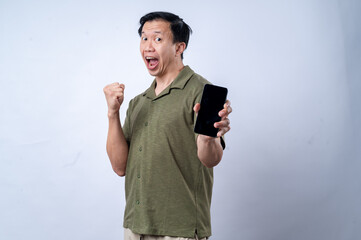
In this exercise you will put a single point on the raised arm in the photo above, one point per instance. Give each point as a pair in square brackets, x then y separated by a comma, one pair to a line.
[117, 147]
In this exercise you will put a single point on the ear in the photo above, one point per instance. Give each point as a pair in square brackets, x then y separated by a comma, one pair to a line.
[180, 47]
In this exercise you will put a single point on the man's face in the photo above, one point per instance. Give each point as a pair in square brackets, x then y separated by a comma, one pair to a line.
[157, 47]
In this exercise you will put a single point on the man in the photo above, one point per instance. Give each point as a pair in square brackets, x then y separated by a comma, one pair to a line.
[168, 168]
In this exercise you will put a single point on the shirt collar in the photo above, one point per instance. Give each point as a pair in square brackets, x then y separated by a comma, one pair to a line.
[179, 82]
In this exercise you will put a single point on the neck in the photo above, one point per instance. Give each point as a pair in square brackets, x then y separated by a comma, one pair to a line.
[165, 80]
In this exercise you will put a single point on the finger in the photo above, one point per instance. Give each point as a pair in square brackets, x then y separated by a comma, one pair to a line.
[116, 85]
[227, 106]
[112, 87]
[121, 86]
[117, 95]
[117, 90]
[114, 93]
[223, 131]
[197, 107]
[227, 109]
[222, 124]
[222, 113]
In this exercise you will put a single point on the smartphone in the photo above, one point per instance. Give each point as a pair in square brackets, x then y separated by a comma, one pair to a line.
[213, 99]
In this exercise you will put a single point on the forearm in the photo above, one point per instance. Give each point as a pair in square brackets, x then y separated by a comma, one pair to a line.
[117, 147]
[210, 150]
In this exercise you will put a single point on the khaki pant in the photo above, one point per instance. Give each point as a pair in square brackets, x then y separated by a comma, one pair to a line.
[129, 235]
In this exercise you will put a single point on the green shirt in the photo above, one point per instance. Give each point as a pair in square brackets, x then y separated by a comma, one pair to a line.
[168, 190]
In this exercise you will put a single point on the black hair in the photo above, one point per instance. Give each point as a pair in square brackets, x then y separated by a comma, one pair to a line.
[180, 30]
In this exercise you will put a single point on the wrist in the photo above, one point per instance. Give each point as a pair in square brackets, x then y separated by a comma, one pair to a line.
[207, 139]
[113, 114]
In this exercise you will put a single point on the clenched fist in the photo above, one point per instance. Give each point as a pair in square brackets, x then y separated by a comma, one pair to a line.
[114, 94]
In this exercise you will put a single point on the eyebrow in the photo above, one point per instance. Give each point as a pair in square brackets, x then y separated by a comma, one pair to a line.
[153, 32]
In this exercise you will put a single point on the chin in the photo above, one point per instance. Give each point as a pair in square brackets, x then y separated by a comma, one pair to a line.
[153, 74]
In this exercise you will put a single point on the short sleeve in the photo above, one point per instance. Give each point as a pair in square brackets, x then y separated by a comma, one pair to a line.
[197, 100]
[126, 126]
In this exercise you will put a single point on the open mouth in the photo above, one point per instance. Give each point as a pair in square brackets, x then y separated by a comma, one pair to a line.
[152, 62]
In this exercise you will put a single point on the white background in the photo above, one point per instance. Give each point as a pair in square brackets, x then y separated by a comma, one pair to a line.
[291, 170]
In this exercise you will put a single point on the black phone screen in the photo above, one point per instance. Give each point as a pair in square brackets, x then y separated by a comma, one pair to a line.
[213, 99]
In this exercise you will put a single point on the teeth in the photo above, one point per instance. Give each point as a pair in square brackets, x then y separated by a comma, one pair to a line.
[149, 58]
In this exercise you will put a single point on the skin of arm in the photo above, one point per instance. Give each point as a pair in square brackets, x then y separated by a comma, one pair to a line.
[210, 150]
[117, 146]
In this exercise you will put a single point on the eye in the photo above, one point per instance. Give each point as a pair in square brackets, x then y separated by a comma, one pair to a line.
[144, 38]
[158, 39]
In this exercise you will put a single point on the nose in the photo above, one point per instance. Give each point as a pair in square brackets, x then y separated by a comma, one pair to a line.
[149, 46]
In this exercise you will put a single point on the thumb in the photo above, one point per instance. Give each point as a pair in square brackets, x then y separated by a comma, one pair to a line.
[197, 107]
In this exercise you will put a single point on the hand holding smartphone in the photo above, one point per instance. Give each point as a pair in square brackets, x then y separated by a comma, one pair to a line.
[213, 99]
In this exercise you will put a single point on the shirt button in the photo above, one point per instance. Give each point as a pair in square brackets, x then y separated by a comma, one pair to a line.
[146, 123]
[138, 176]
[137, 202]
[140, 149]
